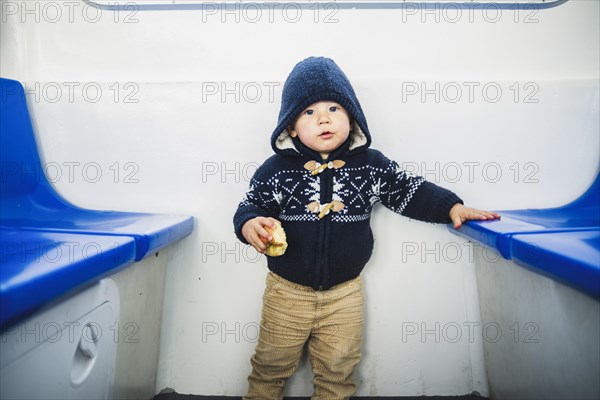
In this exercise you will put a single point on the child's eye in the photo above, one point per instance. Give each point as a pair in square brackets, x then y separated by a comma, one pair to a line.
[333, 108]
[309, 112]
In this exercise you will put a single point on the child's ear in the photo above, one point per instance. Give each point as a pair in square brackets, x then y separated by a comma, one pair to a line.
[292, 132]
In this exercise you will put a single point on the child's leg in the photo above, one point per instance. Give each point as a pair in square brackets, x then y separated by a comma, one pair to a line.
[334, 345]
[287, 316]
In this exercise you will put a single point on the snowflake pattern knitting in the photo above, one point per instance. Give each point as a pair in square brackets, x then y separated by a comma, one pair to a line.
[358, 188]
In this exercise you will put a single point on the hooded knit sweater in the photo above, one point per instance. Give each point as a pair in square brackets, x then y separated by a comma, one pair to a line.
[325, 205]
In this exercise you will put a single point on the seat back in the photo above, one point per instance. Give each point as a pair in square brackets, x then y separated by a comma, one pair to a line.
[24, 185]
[21, 168]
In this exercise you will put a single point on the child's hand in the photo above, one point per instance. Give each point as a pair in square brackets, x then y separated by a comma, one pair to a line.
[460, 214]
[254, 229]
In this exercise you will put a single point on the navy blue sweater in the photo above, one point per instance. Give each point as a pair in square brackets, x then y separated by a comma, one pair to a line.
[323, 252]
[325, 205]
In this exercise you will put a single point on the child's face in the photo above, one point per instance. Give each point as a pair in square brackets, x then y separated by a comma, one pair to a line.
[322, 127]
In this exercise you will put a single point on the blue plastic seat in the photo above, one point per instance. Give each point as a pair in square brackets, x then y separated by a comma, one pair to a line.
[38, 266]
[572, 257]
[561, 242]
[31, 210]
[29, 201]
[581, 214]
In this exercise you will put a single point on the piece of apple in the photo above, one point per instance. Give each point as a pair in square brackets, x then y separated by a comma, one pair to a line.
[278, 245]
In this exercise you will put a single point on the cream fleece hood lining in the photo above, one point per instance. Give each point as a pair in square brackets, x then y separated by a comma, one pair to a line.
[357, 139]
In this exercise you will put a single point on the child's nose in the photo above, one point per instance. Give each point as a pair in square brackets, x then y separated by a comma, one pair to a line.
[324, 118]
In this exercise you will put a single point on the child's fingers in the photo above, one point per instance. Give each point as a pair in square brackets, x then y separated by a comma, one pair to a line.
[262, 236]
[261, 231]
[270, 222]
[273, 222]
[457, 220]
[463, 214]
[257, 235]
[259, 247]
[482, 215]
[252, 233]
[487, 214]
[477, 214]
[258, 244]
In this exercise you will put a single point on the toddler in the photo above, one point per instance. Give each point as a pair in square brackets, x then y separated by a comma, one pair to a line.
[321, 185]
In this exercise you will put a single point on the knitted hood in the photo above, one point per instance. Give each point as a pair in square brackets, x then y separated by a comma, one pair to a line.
[316, 79]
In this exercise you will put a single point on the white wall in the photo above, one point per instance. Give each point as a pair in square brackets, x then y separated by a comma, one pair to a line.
[181, 149]
[551, 350]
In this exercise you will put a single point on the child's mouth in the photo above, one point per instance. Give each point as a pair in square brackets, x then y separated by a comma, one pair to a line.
[326, 135]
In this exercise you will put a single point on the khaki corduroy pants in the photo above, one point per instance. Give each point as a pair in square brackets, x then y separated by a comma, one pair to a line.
[330, 321]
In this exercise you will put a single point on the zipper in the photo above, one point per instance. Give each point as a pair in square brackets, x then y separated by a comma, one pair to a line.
[326, 197]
